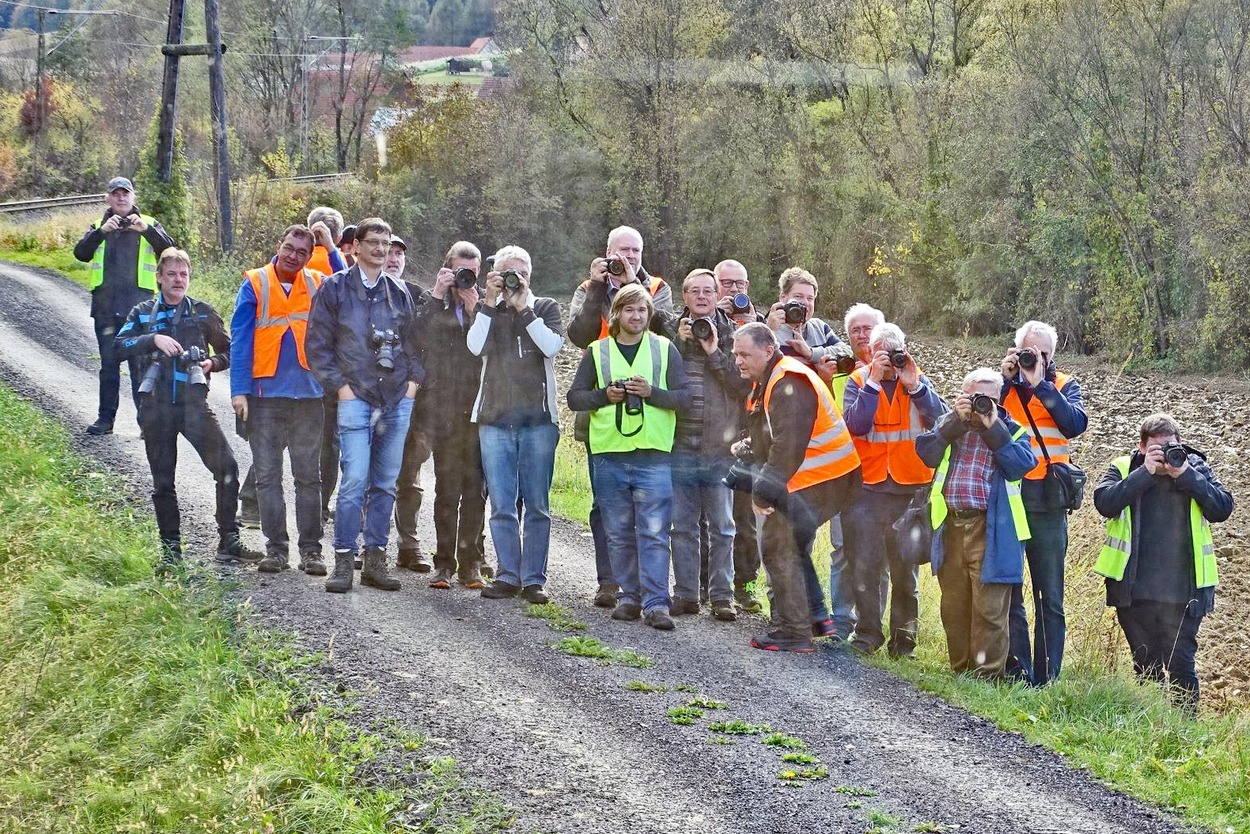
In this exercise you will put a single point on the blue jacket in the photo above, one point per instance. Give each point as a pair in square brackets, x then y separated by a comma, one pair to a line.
[1004, 552]
[290, 380]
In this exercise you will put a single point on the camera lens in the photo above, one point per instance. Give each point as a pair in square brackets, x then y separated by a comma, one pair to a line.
[616, 266]
[846, 364]
[1175, 455]
[1027, 359]
[512, 280]
[982, 404]
[701, 329]
[796, 312]
[741, 303]
[464, 278]
[898, 358]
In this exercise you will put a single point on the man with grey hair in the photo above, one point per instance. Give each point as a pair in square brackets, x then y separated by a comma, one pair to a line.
[888, 403]
[1047, 402]
[979, 454]
[620, 266]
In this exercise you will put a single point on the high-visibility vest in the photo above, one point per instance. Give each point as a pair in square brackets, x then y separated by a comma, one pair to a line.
[830, 451]
[937, 501]
[1113, 557]
[837, 386]
[277, 312]
[656, 285]
[654, 427]
[1056, 444]
[145, 270]
[889, 448]
[319, 261]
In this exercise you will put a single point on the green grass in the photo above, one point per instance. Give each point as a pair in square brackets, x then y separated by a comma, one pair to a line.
[784, 740]
[558, 618]
[685, 715]
[570, 484]
[594, 648]
[643, 686]
[128, 703]
[737, 727]
[799, 758]
[704, 702]
[60, 260]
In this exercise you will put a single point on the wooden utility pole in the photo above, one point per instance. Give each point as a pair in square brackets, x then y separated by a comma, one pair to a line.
[41, 118]
[169, 94]
[217, 88]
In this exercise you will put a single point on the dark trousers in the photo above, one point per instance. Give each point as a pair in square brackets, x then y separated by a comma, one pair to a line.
[746, 543]
[875, 565]
[459, 495]
[106, 328]
[275, 424]
[408, 492]
[1045, 553]
[603, 564]
[329, 449]
[1163, 636]
[161, 424]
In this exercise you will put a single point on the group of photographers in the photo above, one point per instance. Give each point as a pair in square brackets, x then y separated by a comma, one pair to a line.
[719, 438]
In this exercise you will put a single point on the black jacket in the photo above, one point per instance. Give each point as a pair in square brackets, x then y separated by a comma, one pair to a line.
[192, 324]
[120, 291]
[517, 349]
[451, 370]
[715, 384]
[339, 345]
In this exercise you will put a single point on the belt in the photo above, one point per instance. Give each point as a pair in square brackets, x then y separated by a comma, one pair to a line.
[967, 513]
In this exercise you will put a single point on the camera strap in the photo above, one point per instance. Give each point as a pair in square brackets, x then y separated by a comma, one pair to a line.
[620, 418]
[1037, 433]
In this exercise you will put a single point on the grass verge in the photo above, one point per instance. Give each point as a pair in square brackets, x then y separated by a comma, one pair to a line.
[129, 704]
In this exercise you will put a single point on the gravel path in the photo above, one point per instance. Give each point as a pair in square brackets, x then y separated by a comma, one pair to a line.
[559, 739]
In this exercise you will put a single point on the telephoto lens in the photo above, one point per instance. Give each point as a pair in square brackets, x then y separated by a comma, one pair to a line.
[741, 303]
[898, 358]
[983, 404]
[701, 329]
[1027, 359]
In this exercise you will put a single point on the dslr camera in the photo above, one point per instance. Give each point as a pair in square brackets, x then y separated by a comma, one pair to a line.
[702, 329]
[123, 221]
[741, 474]
[1175, 455]
[1027, 358]
[741, 303]
[633, 402]
[898, 358]
[464, 278]
[511, 280]
[796, 312]
[616, 265]
[189, 361]
[983, 404]
[384, 342]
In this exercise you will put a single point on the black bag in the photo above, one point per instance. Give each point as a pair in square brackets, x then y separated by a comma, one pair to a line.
[914, 529]
[1064, 484]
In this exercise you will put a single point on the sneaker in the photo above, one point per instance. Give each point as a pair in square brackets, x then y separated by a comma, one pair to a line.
[311, 564]
[779, 642]
[627, 611]
[749, 604]
[100, 427]
[535, 595]
[723, 610]
[500, 590]
[659, 619]
[606, 596]
[681, 606]
[471, 579]
[825, 628]
[273, 563]
[231, 549]
[441, 579]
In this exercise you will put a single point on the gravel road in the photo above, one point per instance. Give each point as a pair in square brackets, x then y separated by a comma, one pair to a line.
[559, 739]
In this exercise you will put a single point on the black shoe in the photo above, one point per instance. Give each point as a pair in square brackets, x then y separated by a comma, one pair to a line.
[659, 619]
[500, 590]
[100, 426]
[681, 606]
[749, 604]
[627, 611]
[778, 642]
[826, 628]
[723, 610]
[535, 595]
[606, 596]
[311, 564]
[231, 549]
[273, 563]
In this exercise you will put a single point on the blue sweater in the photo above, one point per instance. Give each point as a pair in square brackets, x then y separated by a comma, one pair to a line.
[290, 380]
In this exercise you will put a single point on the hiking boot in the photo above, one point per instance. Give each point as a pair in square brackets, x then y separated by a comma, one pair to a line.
[606, 596]
[749, 604]
[777, 641]
[441, 579]
[627, 611]
[659, 619]
[341, 581]
[99, 427]
[273, 563]
[681, 606]
[471, 578]
[374, 573]
[500, 590]
[311, 564]
[411, 558]
[230, 548]
[723, 610]
[171, 557]
[535, 595]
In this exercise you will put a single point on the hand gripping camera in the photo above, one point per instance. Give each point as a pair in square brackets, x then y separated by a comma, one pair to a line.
[616, 266]
[188, 362]
[1175, 455]
[796, 312]
[633, 402]
[741, 474]
[702, 329]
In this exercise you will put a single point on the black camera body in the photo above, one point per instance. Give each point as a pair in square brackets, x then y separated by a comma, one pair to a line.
[124, 221]
[741, 474]
[189, 361]
[616, 266]
[1175, 455]
[464, 278]
[702, 329]
[898, 358]
[384, 342]
[1027, 359]
[796, 312]
[511, 280]
[845, 365]
[741, 303]
[633, 402]
[983, 404]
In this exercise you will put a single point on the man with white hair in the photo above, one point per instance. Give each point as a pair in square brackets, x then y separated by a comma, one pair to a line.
[1048, 403]
[979, 523]
[888, 403]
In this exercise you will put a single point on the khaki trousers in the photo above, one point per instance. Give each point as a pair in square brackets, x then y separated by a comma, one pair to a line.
[974, 614]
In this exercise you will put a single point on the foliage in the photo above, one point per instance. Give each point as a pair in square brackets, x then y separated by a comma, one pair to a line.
[169, 202]
[606, 655]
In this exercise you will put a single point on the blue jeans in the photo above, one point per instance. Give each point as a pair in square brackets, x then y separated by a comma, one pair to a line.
[637, 499]
[371, 448]
[1045, 553]
[520, 460]
[698, 492]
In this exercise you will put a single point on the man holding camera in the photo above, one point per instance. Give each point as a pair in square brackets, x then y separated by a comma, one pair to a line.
[450, 388]
[122, 251]
[362, 343]
[620, 266]
[807, 471]
[704, 338]
[1159, 558]
[169, 336]
[633, 383]
[277, 397]
[979, 454]
[1048, 402]
[889, 402]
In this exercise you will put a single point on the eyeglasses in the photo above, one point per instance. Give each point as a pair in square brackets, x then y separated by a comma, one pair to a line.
[734, 285]
[375, 242]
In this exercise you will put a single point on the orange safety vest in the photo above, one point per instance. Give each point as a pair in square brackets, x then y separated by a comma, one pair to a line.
[320, 260]
[1056, 444]
[890, 447]
[830, 451]
[276, 312]
[656, 284]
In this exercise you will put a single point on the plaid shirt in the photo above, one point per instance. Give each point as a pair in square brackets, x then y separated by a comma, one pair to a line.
[968, 482]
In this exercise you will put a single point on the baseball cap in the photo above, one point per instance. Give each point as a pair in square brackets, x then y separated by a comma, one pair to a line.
[396, 240]
[120, 182]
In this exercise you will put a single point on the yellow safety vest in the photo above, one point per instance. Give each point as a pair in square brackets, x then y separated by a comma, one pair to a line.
[145, 271]
[654, 427]
[937, 501]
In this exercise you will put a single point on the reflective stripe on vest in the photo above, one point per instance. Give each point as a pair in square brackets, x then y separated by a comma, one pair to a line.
[1113, 558]
[145, 269]
[1057, 445]
[656, 285]
[889, 449]
[276, 312]
[654, 427]
[937, 501]
[830, 451]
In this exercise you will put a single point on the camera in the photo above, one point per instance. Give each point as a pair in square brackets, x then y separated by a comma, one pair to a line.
[796, 312]
[1175, 455]
[741, 303]
[511, 279]
[464, 278]
[741, 474]
[702, 329]
[189, 361]
[148, 384]
[384, 342]
[123, 221]
[898, 358]
[983, 404]
[1027, 359]
[633, 402]
[616, 266]
[845, 364]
